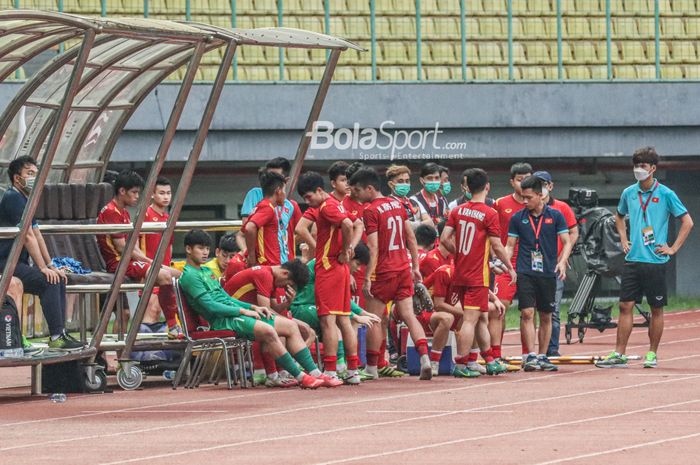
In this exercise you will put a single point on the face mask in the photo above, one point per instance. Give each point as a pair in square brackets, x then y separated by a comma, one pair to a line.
[640, 174]
[545, 192]
[468, 195]
[28, 183]
[432, 186]
[402, 190]
[446, 188]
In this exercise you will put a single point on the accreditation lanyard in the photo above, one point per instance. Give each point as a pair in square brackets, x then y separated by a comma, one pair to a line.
[644, 205]
[537, 229]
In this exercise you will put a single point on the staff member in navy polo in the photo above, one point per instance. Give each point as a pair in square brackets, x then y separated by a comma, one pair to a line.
[649, 205]
[535, 229]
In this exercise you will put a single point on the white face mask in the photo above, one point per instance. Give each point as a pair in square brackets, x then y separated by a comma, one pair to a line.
[640, 174]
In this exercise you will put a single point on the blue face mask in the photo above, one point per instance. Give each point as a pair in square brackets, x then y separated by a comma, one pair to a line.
[402, 190]
[432, 186]
[446, 188]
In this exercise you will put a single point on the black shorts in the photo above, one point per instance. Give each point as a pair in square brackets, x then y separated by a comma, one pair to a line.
[538, 292]
[644, 279]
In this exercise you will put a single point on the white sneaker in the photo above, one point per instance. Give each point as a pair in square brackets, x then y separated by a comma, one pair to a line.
[352, 378]
[435, 367]
[476, 366]
[426, 371]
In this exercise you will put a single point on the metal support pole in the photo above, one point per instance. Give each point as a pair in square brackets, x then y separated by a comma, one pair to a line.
[419, 54]
[327, 22]
[72, 88]
[608, 38]
[180, 195]
[159, 160]
[280, 23]
[145, 8]
[103, 8]
[188, 10]
[313, 117]
[657, 39]
[373, 37]
[234, 17]
[510, 40]
[463, 34]
[560, 58]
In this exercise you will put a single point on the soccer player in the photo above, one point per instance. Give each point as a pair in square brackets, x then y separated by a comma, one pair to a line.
[572, 223]
[399, 180]
[649, 205]
[426, 236]
[228, 259]
[506, 207]
[472, 230]
[390, 274]
[431, 202]
[206, 296]
[535, 229]
[127, 189]
[334, 251]
[435, 258]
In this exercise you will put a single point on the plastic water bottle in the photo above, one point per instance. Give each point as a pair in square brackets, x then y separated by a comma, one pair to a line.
[57, 398]
[12, 353]
[169, 375]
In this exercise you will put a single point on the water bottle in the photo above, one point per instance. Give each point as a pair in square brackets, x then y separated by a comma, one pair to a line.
[169, 375]
[57, 398]
[17, 352]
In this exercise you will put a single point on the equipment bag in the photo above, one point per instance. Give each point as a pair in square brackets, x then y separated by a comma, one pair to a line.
[11, 339]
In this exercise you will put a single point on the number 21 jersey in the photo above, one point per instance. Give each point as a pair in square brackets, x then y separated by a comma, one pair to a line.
[387, 217]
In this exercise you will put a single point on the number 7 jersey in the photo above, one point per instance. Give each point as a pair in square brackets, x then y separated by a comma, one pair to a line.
[386, 217]
[473, 223]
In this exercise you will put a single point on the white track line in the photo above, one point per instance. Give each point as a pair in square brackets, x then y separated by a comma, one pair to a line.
[165, 411]
[428, 446]
[676, 411]
[621, 449]
[437, 411]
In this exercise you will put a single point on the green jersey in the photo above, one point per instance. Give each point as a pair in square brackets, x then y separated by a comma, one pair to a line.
[206, 296]
[306, 296]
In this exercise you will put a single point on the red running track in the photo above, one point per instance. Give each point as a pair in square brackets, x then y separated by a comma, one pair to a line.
[581, 415]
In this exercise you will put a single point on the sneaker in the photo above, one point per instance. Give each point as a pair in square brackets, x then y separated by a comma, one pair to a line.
[494, 368]
[435, 368]
[650, 360]
[364, 376]
[259, 379]
[330, 381]
[614, 360]
[545, 364]
[509, 366]
[65, 343]
[352, 378]
[465, 373]
[175, 332]
[389, 371]
[476, 366]
[426, 371]
[282, 382]
[553, 354]
[309, 382]
[30, 349]
[531, 364]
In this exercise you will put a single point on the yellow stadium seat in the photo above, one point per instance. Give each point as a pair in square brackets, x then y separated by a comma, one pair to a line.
[531, 73]
[303, 7]
[646, 28]
[265, 21]
[598, 27]
[567, 54]
[585, 52]
[256, 73]
[671, 72]
[599, 72]
[551, 73]
[444, 27]
[357, 28]
[672, 28]
[616, 7]
[440, 52]
[638, 6]
[568, 6]
[603, 52]
[624, 72]
[540, 7]
[296, 56]
[456, 73]
[221, 7]
[244, 6]
[402, 27]
[534, 28]
[437, 73]
[692, 72]
[577, 28]
[519, 54]
[344, 73]
[404, 7]
[213, 57]
[384, 7]
[519, 7]
[318, 56]
[538, 53]
[473, 7]
[412, 53]
[363, 73]
[308, 23]
[393, 53]
[683, 52]
[632, 52]
[209, 72]
[157, 7]
[252, 54]
[692, 28]
[490, 7]
[357, 6]
[625, 28]
[389, 73]
[490, 53]
[448, 7]
[244, 22]
[485, 73]
[590, 6]
[491, 28]
[664, 50]
[578, 73]
[265, 6]
[645, 71]
[297, 73]
[383, 27]
[665, 5]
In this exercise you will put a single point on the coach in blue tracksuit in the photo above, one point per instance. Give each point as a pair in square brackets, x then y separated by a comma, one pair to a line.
[649, 205]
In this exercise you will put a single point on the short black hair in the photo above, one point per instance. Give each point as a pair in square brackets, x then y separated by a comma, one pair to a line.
[532, 182]
[361, 253]
[338, 168]
[163, 181]
[279, 163]
[426, 235]
[645, 155]
[429, 168]
[17, 165]
[520, 168]
[197, 237]
[365, 177]
[476, 179]
[309, 182]
[298, 272]
[270, 181]
[444, 169]
[127, 180]
[353, 168]
[228, 243]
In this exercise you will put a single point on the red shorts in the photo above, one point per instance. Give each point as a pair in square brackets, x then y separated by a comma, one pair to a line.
[424, 320]
[475, 298]
[332, 289]
[359, 296]
[396, 287]
[503, 289]
[137, 270]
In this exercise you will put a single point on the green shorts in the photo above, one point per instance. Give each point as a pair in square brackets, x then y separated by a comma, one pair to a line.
[242, 325]
[307, 314]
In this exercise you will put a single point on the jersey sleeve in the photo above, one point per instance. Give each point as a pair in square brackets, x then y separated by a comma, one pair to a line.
[569, 216]
[332, 213]
[252, 198]
[560, 223]
[296, 216]
[491, 223]
[110, 216]
[262, 215]
[513, 227]
[263, 282]
[311, 214]
[675, 206]
[371, 220]
[452, 219]
[622, 206]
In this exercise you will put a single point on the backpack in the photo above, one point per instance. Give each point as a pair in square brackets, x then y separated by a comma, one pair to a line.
[11, 335]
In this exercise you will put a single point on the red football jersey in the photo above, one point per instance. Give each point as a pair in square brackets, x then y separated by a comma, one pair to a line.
[149, 242]
[569, 217]
[247, 284]
[267, 246]
[506, 207]
[311, 214]
[386, 217]
[329, 239]
[431, 261]
[111, 214]
[355, 211]
[474, 223]
[235, 266]
[439, 284]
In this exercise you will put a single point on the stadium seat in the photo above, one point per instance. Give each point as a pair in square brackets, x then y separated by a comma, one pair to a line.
[251, 54]
[402, 7]
[638, 6]
[402, 27]
[646, 28]
[344, 73]
[567, 54]
[383, 28]
[393, 53]
[243, 6]
[303, 7]
[357, 27]
[538, 53]
[541, 7]
[223, 7]
[440, 53]
[318, 56]
[265, 6]
[590, 6]
[672, 28]
[494, 7]
[390, 73]
[624, 72]
[632, 52]
[519, 56]
[692, 72]
[577, 28]
[297, 73]
[252, 73]
[603, 52]
[585, 52]
[490, 53]
[357, 7]
[437, 73]
[308, 23]
[450, 7]
[534, 28]
[363, 73]
[531, 73]
[625, 28]
[646, 72]
[671, 72]
[598, 27]
[485, 73]
[296, 56]
[683, 52]
[492, 28]
[599, 72]
[578, 73]
[244, 22]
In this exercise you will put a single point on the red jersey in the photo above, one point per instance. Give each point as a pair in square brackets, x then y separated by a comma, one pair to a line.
[267, 246]
[355, 211]
[386, 217]
[247, 284]
[329, 239]
[567, 212]
[149, 242]
[474, 223]
[111, 214]
[506, 207]
[235, 266]
[439, 284]
[431, 261]
[311, 214]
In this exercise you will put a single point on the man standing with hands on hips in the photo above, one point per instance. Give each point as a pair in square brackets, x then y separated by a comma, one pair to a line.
[649, 205]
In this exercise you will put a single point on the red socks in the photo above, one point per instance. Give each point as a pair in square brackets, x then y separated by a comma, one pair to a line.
[381, 363]
[435, 355]
[488, 356]
[462, 359]
[496, 351]
[473, 356]
[257, 357]
[353, 362]
[330, 362]
[166, 299]
[372, 358]
[422, 346]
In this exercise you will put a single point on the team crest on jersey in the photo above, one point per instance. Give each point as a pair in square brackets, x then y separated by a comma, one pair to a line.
[655, 200]
[508, 210]
[525, 221]
[548, 221]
